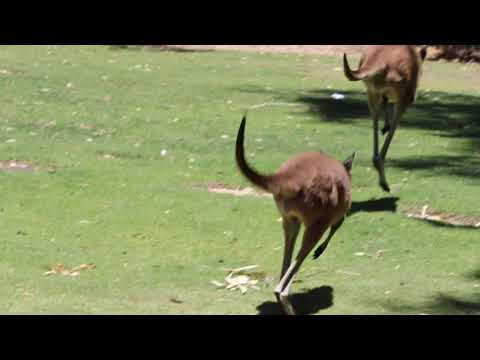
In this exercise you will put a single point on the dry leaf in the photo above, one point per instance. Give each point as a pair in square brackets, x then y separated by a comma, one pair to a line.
[379, 253]
[240, 282]
[249, 267]
[242, 279]
[424, 211]
[84, 266]
[60, 269]
[217, 283]
[348, 273]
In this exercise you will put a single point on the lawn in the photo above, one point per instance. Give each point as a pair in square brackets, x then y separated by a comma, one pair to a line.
[125, 143]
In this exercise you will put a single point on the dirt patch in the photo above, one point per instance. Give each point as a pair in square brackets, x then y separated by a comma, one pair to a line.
[22, 166]
[239, 192]
[463, 53]
[10, 71]
[430, 215]
[18, 166]
[443, 218]
[219, 188]
[299, 49]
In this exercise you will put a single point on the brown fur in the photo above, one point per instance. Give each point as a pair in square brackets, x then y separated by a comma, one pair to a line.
[391, 74]
[312, 186]
[310, 189]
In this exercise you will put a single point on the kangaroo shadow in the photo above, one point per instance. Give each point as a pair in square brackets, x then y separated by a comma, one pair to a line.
[450, 115]
[440, 303]
[374, 205]
[306, 303]
[454, 305]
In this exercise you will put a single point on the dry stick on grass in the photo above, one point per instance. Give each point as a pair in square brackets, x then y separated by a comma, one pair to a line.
[444, 218]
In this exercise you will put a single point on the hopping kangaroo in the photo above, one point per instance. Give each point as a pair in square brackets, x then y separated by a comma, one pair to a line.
[310, 188]
[391, 74]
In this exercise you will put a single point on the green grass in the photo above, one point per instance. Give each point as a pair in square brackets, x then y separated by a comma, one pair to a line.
[158, 240]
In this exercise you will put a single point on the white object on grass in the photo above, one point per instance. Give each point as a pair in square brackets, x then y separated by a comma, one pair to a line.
[337, 96]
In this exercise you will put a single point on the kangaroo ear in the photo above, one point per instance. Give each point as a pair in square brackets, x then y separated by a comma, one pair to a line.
[423, 53]
[349, 162]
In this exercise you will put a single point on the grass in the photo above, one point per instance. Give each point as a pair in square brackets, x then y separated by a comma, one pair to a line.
[101, 118]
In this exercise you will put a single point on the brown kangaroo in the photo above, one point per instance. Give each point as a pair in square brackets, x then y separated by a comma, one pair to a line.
[310, 188]
[391, 74]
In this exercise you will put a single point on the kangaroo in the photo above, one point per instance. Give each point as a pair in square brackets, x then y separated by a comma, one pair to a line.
[391, 74]
[312, 189]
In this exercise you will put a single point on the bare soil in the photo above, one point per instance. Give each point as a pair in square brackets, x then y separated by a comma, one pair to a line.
[238, 191]
[444, 52]
[14, 165]
[23, 166]
[302, 49]
[425, 214]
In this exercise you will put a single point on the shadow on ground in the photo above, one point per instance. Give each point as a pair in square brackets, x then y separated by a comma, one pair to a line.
[375, 205]
[441, 113]
[458, 165]
[445, 304]
[306, 303]
[441, 304]
[474, 275]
